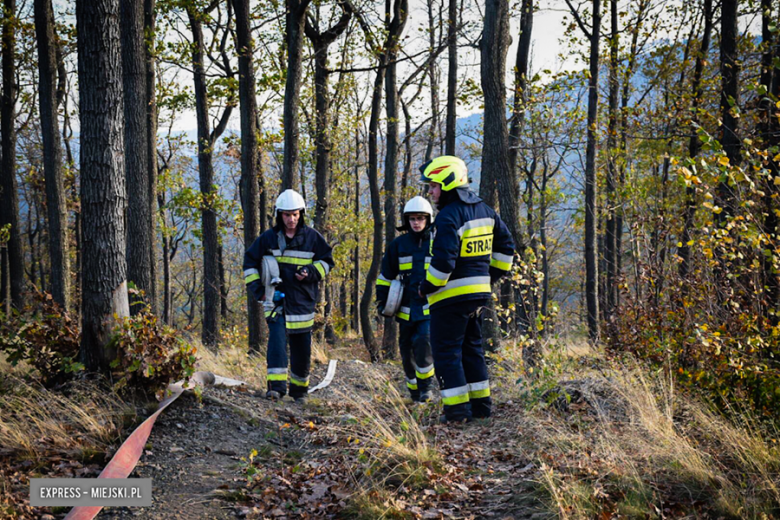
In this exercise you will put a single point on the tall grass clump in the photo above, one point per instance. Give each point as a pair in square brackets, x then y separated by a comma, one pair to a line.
[657, 446]
[388, 435]
[36, 422]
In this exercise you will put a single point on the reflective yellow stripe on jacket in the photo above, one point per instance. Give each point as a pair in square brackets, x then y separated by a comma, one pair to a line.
[436, 277]
[250, 275]
[301, 321]
[322, 267]
[294, 257]
[470, 285]
[501, 261]
[405, 263]
[383, 281]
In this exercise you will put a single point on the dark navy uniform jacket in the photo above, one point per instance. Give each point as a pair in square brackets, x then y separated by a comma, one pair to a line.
[471, 247]
[406, 257]
[307, 248]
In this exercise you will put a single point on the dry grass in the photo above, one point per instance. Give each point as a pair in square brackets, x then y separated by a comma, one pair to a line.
[668, 450]
[235, 362]
[393, 449]
[376, 504]
[7, 369]
[319, 353]
[35, 422]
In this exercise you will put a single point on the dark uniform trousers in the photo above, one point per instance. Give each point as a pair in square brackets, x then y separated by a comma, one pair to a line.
[456, 333]
[415, 344]
[300, 358]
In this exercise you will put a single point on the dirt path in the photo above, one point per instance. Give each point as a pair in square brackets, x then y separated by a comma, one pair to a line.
[197, 458]
[194, 452]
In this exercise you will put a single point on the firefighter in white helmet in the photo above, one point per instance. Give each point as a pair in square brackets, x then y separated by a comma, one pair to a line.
[304, 260]
[407, 257]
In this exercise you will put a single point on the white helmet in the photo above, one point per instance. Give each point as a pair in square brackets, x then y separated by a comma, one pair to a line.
[418, 205]
[290, 200]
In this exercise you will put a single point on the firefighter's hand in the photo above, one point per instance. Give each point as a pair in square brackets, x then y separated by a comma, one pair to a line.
[301, 274]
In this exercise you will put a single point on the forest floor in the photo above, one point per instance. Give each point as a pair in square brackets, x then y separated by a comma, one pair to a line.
[589, 439]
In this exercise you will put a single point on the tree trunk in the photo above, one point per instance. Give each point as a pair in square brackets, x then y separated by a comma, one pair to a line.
[321, 41]
[694, 144]
[343, 307]
[250, 187]
[103, 196]
[632, 61]
[223, 288]
[136, 140]
[151, 146]
[9, 205]
[770, 134]
[452, 77]
[167, 300]
[32, 274]
[591, 210]
[296, 16]
[495, 150]
[729, 101]
[67, 135]
[376, 213]
[521, 81]
[395, 30]
[433, 84]
[5, 281]
[543, 241]
[356, 251]
[57, 220]
[262, 187]
[211, 289]
[610, 246]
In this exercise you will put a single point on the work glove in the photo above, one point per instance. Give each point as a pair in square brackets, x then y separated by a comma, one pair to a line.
[278, 296]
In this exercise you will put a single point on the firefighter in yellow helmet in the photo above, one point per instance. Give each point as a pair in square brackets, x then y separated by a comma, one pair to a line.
[471, 248]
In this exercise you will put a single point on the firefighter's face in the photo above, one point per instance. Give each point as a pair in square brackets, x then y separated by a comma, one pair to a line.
[290, 219]
[434, 190]
[417, 221]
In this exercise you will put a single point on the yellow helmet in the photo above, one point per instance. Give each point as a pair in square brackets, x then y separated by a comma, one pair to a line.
[449, 171]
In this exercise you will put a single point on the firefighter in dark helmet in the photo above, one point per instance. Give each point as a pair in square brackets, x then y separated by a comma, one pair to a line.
[407, 257]
[302, 259]
[472, 248]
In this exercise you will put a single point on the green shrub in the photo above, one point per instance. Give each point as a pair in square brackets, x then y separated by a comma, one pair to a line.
[43, 335]
[150, 355]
